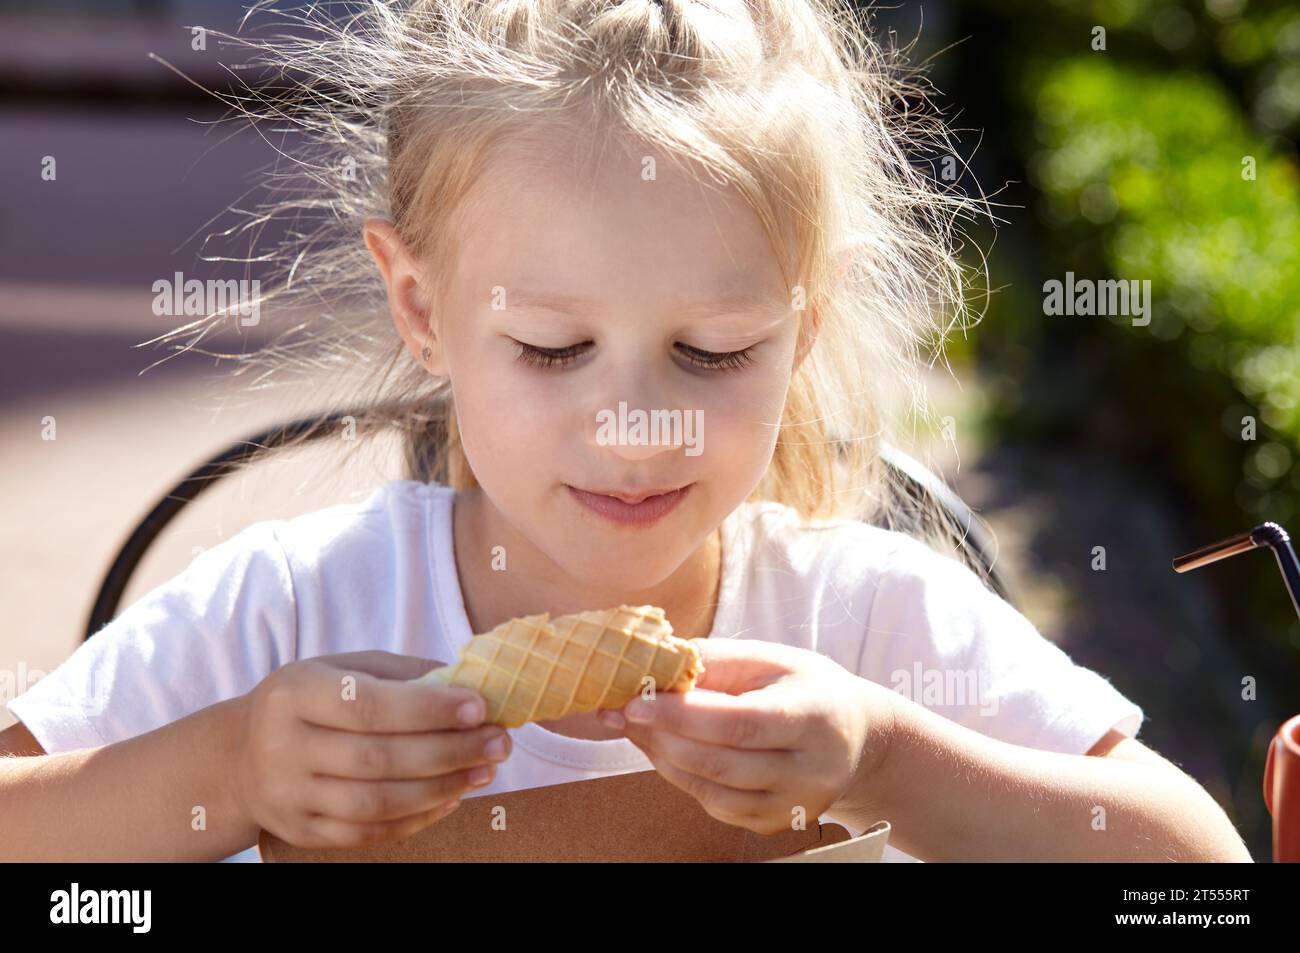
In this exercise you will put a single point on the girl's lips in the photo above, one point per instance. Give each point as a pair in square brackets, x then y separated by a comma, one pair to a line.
[646, 513]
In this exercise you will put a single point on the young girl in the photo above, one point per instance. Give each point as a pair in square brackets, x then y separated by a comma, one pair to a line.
[699, 210]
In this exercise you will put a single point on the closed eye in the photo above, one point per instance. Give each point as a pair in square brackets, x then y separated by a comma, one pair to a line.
[548, 356]
[719, 360]
[559, 356]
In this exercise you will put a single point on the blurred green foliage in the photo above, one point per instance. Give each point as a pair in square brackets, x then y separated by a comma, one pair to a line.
[1178, 189]
[1165, 154]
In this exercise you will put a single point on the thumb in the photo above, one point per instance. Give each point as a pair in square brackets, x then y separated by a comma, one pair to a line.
[382, 664]
[736, 666]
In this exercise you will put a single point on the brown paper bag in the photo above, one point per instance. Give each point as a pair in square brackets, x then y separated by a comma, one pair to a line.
[621, 818]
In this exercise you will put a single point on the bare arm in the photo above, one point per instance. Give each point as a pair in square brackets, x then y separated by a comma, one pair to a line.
[953, 794]
[134, 800]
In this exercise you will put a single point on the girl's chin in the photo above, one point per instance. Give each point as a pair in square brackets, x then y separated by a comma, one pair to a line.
[629, 579]
[615, 567]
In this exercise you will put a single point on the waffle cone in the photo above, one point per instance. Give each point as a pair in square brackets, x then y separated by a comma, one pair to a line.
[534, 668]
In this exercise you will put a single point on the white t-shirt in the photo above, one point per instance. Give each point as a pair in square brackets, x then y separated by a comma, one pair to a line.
[381, 574]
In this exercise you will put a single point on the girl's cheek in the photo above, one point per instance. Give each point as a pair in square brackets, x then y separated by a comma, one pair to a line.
[516, 413]
[741, 416]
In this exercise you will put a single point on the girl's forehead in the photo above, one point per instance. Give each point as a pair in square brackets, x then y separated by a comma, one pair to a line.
[617, 212]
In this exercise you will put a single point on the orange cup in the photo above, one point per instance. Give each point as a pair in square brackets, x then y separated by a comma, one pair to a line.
[1282, 791]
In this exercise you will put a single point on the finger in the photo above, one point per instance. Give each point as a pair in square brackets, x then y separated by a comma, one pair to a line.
[331, 832]
[743, 769]
[755, 720]
[736, 666]
[347, 799]
[354, 700]
[382, 664]
[730, 805]
[350, 754]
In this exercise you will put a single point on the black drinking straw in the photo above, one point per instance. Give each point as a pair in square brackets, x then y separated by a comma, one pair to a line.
[1269, 534]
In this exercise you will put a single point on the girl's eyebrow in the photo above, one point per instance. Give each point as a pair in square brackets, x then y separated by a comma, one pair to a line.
[731, 303]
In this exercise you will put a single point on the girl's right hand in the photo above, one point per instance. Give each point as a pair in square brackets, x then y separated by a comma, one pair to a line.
[344, 750]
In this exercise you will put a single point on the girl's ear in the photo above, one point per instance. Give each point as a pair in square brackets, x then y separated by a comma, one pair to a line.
[407, 301]
[808, 328]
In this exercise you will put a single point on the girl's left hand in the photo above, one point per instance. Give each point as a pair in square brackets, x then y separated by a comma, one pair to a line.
[770, 736]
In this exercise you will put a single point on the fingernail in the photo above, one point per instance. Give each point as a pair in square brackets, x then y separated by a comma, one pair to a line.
[470, 713]
[480, 775]
[641, 712]
[612, 719]
[495, 749]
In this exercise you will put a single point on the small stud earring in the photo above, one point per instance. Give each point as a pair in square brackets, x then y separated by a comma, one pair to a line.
[426, 354]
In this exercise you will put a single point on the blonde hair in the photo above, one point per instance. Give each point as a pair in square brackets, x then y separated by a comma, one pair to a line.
[791, 102]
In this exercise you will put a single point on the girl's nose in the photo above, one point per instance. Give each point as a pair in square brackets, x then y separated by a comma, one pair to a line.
[637, 432]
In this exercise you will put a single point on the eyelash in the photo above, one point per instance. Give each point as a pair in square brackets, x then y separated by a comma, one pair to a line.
[708, 360]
